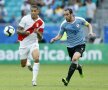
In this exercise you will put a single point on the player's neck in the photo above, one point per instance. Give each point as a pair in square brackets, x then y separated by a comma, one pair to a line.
[35, 18]
[72, 19]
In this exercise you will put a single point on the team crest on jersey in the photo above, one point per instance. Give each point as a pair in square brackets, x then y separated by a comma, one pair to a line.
[77, 25]
[37, 24]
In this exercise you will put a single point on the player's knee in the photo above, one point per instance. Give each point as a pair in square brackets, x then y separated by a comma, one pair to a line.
[75, 58]
[23, 65]
[36, 60]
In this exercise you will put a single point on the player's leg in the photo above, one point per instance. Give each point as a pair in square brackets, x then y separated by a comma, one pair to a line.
[79, 68]
[28, 64]
[80, 49]
[75, 53]
[23, 52]
[23, 62]
[73, 65]
[71, 68]
[35, 55]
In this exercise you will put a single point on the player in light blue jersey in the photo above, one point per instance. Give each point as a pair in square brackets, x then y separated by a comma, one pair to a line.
[75, 40]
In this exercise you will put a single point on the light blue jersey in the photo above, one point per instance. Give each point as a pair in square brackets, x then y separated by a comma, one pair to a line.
[75, 34]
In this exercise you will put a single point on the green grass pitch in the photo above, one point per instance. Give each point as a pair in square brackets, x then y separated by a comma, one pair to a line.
[13, 77]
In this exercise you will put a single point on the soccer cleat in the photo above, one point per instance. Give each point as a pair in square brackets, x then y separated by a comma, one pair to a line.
[30, 68]
[34, 83]
[65, 81]
[81, 75]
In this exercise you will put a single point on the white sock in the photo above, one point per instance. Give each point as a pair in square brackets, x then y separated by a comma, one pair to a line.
[35, 71]
[28, 63]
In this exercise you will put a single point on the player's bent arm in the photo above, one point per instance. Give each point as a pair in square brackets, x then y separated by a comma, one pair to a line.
[21, 31]
[58, 37]
[89, 27]
[39, 35]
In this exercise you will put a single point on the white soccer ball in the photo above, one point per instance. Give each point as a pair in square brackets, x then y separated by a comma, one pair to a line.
[9, 30]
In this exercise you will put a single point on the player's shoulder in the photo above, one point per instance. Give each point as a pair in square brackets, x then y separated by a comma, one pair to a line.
[39, 18]
[63, 22]
[26, 17]
[40, 21]
[79, 18]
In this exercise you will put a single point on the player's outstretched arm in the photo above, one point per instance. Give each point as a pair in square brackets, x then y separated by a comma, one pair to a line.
[55, 38]
[22, 32]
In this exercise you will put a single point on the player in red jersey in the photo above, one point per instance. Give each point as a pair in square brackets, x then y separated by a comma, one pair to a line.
[30, 30]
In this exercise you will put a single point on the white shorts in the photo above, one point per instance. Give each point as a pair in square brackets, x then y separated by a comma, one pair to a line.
[25, 52]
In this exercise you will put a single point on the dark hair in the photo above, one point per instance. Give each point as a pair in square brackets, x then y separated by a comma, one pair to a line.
[34, 6]
[70, 10]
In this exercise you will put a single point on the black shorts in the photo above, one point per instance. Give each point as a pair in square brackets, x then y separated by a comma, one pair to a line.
[78, 48]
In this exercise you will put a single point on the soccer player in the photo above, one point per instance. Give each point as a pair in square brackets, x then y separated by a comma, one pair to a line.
[75, 40]
[30, 30]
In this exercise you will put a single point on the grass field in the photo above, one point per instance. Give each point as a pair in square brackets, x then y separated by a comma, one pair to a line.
[13, 77]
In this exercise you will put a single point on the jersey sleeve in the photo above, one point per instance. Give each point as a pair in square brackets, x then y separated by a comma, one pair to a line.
[62, 30]
[22, 22]
[84, 22]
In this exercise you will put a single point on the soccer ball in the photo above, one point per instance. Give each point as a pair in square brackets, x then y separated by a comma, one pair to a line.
[9, 31]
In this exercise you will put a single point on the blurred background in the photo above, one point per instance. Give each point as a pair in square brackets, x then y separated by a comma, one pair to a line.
[54, 57]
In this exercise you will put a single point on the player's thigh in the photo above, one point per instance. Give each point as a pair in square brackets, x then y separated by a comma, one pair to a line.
[35, 54]
[76, 56]
[78, 51]
[35, 51]
[70, 52]
[23, 53]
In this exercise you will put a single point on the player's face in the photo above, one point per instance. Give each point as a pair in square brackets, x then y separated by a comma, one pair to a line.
[34, 12]
[67, 16]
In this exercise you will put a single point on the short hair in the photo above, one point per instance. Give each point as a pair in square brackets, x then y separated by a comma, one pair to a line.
[70, 10]
[34, 6]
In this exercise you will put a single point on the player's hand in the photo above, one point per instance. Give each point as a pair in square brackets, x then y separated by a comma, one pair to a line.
[27, 32]
[35, 31]
[92, 35]
[52, 40]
